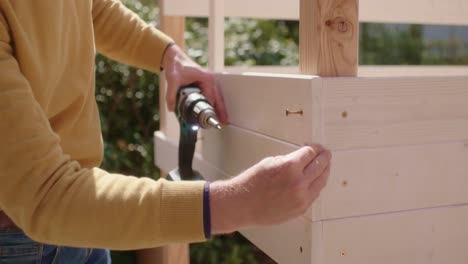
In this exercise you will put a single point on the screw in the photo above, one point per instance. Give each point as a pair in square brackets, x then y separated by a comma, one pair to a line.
[289, 112]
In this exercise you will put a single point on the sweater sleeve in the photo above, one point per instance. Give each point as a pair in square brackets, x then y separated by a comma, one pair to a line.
[56, 201]
[121, 35]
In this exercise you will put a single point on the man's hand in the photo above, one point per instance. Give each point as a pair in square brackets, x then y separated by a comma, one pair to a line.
[180, 70]
[271, 192]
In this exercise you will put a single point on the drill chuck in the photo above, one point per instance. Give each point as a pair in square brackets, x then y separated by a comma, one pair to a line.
[194, 109]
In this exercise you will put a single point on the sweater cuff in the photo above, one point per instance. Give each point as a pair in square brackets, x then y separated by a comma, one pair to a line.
[182, 211]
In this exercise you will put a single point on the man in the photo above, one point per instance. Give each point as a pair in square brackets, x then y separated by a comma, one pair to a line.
[51, 190]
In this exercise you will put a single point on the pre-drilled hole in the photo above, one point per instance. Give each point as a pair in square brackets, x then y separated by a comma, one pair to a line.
[344, 183]
[344, 114]
[300, 249]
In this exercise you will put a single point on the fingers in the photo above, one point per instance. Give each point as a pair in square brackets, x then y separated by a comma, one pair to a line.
[305, 154]
[317, 167]
[171, 93]
[184, 71]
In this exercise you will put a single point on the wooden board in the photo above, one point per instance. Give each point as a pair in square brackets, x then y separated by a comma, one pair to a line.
[376, 112]
[234, 150]
[450, 12]
[348, 113]
[362, 182]
[373, 181]
[419, 237]
[260, 102]
[364, 70]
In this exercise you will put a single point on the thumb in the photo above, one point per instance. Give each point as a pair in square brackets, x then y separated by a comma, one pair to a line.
[306, 154]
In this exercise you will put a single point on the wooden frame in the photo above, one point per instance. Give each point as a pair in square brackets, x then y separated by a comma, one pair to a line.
[397, 191]
[380, 11]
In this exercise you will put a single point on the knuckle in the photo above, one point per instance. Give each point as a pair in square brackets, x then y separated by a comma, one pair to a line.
[309, 151]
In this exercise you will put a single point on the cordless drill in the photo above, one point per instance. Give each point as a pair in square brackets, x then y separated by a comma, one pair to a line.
[193, 111]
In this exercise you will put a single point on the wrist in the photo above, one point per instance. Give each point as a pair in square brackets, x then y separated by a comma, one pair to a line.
[169, 55]
[228, 207]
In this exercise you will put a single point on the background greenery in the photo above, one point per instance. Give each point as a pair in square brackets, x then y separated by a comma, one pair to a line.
[128, 97]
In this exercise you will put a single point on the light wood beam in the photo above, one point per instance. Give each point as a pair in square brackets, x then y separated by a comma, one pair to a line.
[329, 35]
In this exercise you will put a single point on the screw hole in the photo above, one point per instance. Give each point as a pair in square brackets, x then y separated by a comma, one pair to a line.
[344, 183]
[344, 114]
[343, 253]
[300, 249]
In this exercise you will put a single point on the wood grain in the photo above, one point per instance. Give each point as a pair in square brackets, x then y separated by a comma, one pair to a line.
[376, 112]
[216, 35]
[392, 179]
[329, 37]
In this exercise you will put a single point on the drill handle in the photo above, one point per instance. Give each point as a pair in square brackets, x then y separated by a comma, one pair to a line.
[187, 141]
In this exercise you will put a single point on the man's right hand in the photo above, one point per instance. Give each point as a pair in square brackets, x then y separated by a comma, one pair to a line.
[272, 191]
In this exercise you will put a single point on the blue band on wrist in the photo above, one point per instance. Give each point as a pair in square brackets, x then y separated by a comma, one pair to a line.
[206, 211]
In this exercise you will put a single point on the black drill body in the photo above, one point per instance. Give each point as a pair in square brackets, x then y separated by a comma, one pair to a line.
[193, 111]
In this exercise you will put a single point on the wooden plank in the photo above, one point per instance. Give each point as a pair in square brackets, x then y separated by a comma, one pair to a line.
[376, 112]
[171, 254]
[174, 26]
[407, 70]
[452, 12]
[362, 182]
[233, 149]
[417, 237]
[259, 102]
[363, 70]
[216, 36]
[374, 181]
[329, 37]
[357, 112]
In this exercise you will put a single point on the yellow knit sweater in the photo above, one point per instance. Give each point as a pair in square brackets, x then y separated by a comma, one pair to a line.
[50, 139]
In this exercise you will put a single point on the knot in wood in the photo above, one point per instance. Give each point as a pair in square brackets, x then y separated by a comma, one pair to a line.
[339, 23]
[342, 25]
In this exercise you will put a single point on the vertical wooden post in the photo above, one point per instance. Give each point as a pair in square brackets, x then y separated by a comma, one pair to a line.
[329, 37]
[174, 26]
[216, 36]
[175, 253]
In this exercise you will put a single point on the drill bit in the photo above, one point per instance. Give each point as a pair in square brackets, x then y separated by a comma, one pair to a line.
[214, 123]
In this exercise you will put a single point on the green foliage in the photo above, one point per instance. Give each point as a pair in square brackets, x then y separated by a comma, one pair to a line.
[227, 249]
[390, 45]
[128, 104]
[247, 41]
